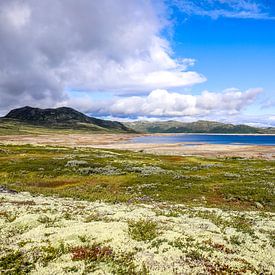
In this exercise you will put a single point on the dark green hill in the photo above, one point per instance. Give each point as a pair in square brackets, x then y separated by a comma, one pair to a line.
[200, 126]
[63, 118]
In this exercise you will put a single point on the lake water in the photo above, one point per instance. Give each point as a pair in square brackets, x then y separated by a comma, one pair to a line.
[196, 139]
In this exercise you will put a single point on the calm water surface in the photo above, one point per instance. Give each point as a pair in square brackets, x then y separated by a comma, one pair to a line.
[212, 139]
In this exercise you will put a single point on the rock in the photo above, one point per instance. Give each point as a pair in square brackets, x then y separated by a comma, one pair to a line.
[4, 189]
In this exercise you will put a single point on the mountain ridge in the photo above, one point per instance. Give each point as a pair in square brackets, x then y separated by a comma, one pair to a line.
[200, 126]
[62, 118]
[66, 118]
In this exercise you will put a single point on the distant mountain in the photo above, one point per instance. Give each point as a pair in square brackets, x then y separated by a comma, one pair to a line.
[61, 118]
[200, 126]
[28, 120]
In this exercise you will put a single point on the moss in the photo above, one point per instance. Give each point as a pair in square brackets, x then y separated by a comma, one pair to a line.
[49, 222]
[236, 240]
[15, 262]
[243, 224]
[9, 217]
[142, 230]
[51, 252]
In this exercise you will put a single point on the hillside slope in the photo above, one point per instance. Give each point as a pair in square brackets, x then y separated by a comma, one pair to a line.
[29, 119]
[200, 126]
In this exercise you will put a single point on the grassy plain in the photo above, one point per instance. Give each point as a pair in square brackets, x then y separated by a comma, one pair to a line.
[122, 176]
[103, 211]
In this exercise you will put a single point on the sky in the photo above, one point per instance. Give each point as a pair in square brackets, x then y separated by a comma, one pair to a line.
[183, 60]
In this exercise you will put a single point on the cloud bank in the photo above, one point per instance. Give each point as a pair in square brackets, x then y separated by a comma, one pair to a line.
[161, 103]
[48, 46]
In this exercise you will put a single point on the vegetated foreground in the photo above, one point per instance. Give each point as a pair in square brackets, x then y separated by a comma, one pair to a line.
[124, 176]
[47, 235]
[134, 213]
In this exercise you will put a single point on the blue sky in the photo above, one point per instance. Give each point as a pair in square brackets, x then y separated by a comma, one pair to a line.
[236, 52]
[141, 59]
[230, 52]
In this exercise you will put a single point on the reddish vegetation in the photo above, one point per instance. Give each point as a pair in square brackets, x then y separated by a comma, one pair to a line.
[220, 247]
[53, 184]
[92, 253]
[173, 158]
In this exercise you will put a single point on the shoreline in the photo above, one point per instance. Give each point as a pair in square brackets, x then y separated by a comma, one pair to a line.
[124, 142]
[208, 134]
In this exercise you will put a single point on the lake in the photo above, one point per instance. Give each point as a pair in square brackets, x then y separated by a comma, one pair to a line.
[196, 139]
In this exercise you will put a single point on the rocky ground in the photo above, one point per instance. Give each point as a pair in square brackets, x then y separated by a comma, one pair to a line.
[51, 235]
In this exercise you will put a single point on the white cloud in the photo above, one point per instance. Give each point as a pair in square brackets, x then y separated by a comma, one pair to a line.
[149, 68]
[48, 46]
[161, 103]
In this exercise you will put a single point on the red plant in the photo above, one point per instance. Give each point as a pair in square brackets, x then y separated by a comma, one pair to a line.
[92, 253]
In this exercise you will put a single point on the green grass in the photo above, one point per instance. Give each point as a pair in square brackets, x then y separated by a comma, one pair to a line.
[124, 176]
[13, 127]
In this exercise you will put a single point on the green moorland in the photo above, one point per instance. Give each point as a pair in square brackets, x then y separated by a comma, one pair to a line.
[96, 211]
[123, 176]
[13, 127]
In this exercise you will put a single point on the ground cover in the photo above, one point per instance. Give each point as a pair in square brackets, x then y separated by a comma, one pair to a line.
[98, 211]
[50, 235]
[134, 177]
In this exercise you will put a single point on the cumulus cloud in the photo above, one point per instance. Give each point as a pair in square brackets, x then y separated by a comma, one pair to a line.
[161, 103]
[48, 46]
[253, 9]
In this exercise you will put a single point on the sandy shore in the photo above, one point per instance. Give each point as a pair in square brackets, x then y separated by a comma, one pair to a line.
[68, 139]
[207, 150]
[123, 142]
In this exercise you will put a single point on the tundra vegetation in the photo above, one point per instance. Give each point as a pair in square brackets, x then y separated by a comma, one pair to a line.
[83, 210]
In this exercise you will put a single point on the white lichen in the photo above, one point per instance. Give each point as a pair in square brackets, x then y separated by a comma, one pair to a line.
[189, 240]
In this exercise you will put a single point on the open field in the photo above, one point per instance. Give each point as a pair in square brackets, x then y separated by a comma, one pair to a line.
[115, 175]
[85, 210]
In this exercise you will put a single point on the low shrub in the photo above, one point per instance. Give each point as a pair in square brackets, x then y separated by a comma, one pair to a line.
[91, 253]
[143, 230]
